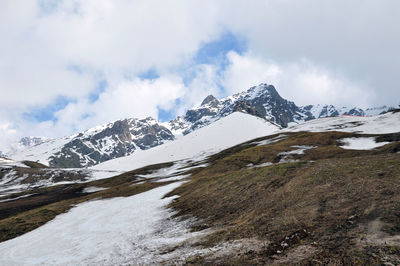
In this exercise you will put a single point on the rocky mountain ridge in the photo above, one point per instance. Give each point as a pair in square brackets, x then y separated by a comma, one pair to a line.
[262, 101]
[123, 137]
[98, 144]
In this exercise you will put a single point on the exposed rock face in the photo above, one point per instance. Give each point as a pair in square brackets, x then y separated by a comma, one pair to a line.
[262, 101]
[210, 100]
[114, 140]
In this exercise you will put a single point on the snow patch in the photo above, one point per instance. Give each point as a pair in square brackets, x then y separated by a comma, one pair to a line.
[300, 150]
[116, 231]
[20, 197]
[269, 141]
[259, 165]
[286, 157]
[177, 168]
[92, 189]
[173, 178]
[361, 143]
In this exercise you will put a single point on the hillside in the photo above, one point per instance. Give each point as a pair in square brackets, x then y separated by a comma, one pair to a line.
[293, 196]
[302, 199]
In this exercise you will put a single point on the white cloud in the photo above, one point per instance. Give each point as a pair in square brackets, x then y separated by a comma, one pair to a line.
[204, 82]
[140, 98]
[357, 39]
[246, 71]
[310, 85]
[301, 81]
[127, 35]
[113, 38]
[135, 98]
[8, 134]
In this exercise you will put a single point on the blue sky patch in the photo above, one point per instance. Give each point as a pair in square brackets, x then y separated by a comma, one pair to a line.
[149, 74]
[214, 52]
[85, 116]
[101, 87]
[47, 113]
[75, 68]
[48, 6]
[166, 115]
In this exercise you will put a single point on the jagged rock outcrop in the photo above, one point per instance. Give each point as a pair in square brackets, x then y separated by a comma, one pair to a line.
[114, 140]
[262, 101]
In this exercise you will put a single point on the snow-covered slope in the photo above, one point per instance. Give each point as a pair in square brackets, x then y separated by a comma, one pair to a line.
[381, 124]
[118, 231]
[40, 153]
[224, 133]
[25, 143]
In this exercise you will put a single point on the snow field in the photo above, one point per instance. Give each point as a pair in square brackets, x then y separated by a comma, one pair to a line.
[104, 232]
[382, 124]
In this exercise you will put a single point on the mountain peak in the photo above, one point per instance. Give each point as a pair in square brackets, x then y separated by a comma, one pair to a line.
[261, 90]
[210, 99]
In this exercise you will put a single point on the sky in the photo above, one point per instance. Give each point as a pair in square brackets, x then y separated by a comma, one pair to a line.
[68, 65]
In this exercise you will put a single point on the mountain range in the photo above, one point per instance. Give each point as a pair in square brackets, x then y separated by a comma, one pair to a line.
[124, 137]
[324, 191]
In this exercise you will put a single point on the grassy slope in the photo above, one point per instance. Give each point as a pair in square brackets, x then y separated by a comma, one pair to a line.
[326, 205]
[32, 164]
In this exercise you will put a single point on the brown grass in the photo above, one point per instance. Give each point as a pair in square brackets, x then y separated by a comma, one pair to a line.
[32, 164]
[329, 198]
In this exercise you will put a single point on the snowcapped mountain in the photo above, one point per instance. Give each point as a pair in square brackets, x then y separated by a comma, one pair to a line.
[224, 133]
[320, 111]
[381, 124]
[124, 137]
[98, 144]
[262, 101]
